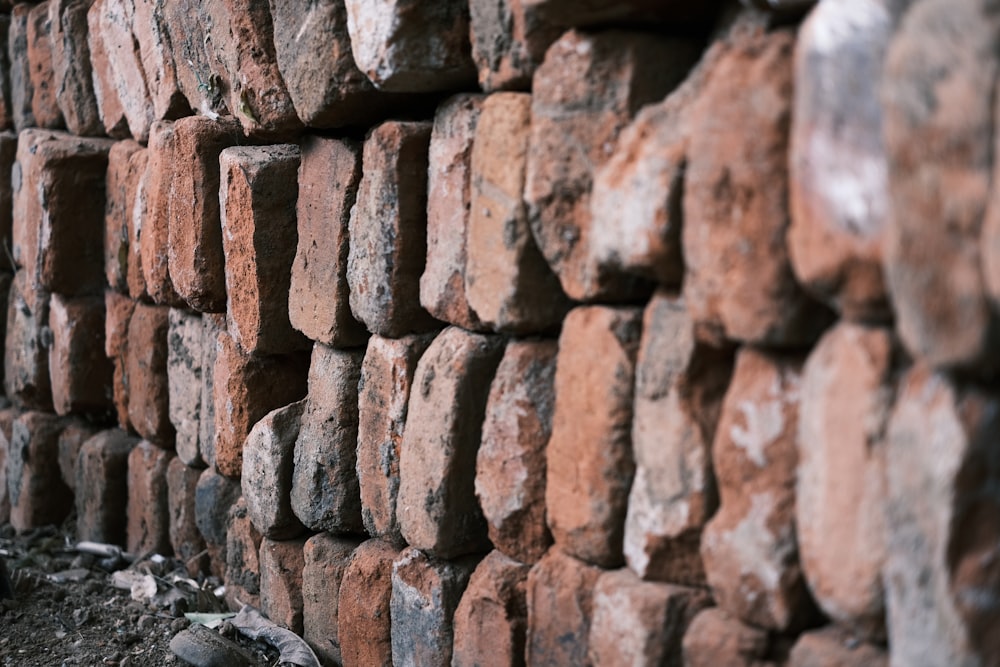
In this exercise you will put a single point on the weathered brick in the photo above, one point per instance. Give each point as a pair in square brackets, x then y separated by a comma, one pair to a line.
[425, 593]
[715, 638]
[241, 558]
[507, 280]
[198, 73]
[749, 547]
[679, 387]
[442, 284]
[102, 483]
[185, 538]
[364, 606]
[118, 314]
[491, 621]
[244, 389]
[436, 506]
[154, 208]
[26, 359]
[137, 200]
[560, 609]
[195, 255]
[109, 104]
[510, 465]
[127, 80]
[388, 229]
[152, 34]
[847, 388]
[215, 504]
[146, 368]
[281, 565]
[838, 173]
[79, 371]
[268, 456]
[601, 79]
[318, 301]
[383, 397]
[122, 180]
[326, 560]
[509, 40]
[37, 493]
[20, 70]
[589, 456]
[675, 13]
[259, 239]
[43, 79]
[72, 72]
[409, 46]
[833, 647]
[6, 107]
[8, 155]
[184, 383]
[638, 622]
[212, 326]
[71, 439]
[7, 416]
[148, 509]
[324, 486]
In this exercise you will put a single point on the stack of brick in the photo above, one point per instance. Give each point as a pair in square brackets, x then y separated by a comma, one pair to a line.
[517, 332]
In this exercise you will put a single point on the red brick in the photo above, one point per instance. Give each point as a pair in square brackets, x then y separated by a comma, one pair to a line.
[679, 387]
[102, 483]
[738, 278]
[151, 30]
[245, 388]
[146, 368]
[194, 229]
[72, 83]
[832, 647]
[127, 79]
[318, 302]
[363, 610]
[37, 493]
[43, 79]
[185, 538]
[510, 479]
[560, 609]
[640, 623]
[436, 506]
[71, 440]
[20, 70]
[154, 207]
[326, 560]
[215, 503]
[749, 547]
[241, 556]
[268, 456]
[148, 511]
[589, 456]
[716, 638]
[388, 229]
[8, 154]
[79, 371]
[491, 621]
[408, 46]
[509, 40]
[184, 385]
[109, 104]
[838, 172]
[383, 396]
[122, 180]
[58, 231]
[259, 240]
[281, 565]
[585, 92]
[508, 283]
[847, 388]
[137, 200]
[324, 485]
[212, 326]
[442, 284]
[198, 73]
[118, 313]
[425, 593]
[26, 359]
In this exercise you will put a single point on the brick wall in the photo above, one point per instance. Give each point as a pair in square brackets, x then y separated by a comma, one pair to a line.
[518, 331]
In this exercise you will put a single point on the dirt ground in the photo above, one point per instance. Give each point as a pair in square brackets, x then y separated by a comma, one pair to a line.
[66, 611]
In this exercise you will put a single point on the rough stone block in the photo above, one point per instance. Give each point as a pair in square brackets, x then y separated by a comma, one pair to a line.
[560, 609]
[268, 456]
[388, 229]
[102, 483]
[212, 326]
[26, 360]
[436, 506]
[119, 204]
[146, 368]
[259, 239]
[601, 79]
[749, 547]
[638, 622]
[326, 559]
[363, 610]
[20, 70]
[318, 301]
[410, 46]
[679, 387]
[324, 486]
[507, 280]
[214, 505]
[184, 357]
[37, 493]
[79, 371]
[510, 465]
[71, 439]
[241, 558]
[589, 456]
[509, 40]
[425, 593]
[716, 638]
[71, 68]
[491, 620]
[383, 398]
[832, 647]
[148, 509]
[185, 538]
[126, 77]
[109, 104]
[154, 207]
[43, 79]
[281, 565]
